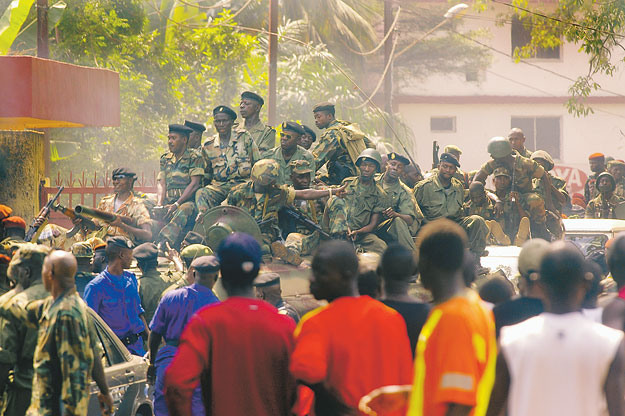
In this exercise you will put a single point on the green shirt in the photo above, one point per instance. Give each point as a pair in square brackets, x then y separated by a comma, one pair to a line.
[401, 199]
[485, 210]
[598, 208]
[264, 136]
[436, 201]
[151, 285]
[232, 161]
[362, 201]
[525, 170]
[177, 173]
[559, 184]
[285, 169]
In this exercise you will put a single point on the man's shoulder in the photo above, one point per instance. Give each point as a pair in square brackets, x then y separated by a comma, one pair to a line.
[167, 156]
[108, 198]
[302, 152]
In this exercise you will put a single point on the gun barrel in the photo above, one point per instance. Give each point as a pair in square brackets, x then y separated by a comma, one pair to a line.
[94, 213]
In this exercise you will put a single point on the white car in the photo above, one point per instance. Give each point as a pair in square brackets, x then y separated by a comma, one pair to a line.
[590, 234]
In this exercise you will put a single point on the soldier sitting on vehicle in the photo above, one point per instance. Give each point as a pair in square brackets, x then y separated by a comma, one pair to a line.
[183, 276]
[553, 190]
[267, 288]
[289, 151]
[605, 204]
[511, 225]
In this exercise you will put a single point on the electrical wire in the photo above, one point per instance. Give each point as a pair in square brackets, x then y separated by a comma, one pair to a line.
[390, 31]
[381, 81]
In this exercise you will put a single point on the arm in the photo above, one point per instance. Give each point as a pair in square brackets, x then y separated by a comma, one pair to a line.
[154, 341]
[499, 395]
[481, 176]
[615, 383]
[146, 330]
[369, 228]
[307, 194]
[161, 191]
[613, 314]
[143, 232]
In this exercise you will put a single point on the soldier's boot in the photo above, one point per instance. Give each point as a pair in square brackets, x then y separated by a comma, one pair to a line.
[524, 232]
[497, 232]
[279, 250]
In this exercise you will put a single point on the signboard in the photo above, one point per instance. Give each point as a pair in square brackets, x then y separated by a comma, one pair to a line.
[575, 178]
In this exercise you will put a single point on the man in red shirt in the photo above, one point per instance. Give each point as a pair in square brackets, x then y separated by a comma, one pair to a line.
[353, 345]
[238, 349]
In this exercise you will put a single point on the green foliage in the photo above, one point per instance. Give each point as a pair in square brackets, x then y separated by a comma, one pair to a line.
[11, 21]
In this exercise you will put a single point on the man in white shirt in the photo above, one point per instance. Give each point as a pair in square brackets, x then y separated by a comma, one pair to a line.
[559, 362]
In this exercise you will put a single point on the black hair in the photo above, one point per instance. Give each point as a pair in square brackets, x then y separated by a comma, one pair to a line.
[496, 290]
[443, 243]
[595, 288]
[616, 259]
[338, 255]
[562, 270]
[147, 264]
[369, 283]
[398, 263]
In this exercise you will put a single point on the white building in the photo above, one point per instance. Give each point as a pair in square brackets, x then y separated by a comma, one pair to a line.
[455, 109]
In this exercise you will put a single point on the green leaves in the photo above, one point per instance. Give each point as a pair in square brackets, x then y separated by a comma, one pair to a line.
[11, 21]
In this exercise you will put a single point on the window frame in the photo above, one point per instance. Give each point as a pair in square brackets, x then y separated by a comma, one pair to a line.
[453, 122]
[534, 145]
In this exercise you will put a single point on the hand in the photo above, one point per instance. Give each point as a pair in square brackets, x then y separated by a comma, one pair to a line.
[75, 221]
[151, 376]
[353, 234]
[499, 208]
[40, 220]
[171, 254]
[340, 191]
[171, 209]
[514, 196]
[117, 222]
[389, 213]
[106, 403]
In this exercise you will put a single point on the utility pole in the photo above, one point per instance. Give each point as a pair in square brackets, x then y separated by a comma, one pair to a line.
[43, 51]
[388, 78]
[273, 62]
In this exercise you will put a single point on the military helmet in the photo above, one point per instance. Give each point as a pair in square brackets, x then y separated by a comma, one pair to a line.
[609, 176]
[372, 155]
[82, 250]
[499, 147]
[541, 154]
[266, 172]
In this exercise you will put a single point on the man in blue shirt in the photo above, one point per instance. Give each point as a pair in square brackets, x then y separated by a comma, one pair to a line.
[114, 295]
[172, 314]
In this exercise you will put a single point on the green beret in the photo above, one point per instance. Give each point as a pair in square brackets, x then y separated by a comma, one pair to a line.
[206, 264]
[225, 110]
[249, 95]
[145, 252]
[324, 106]
[195, 250]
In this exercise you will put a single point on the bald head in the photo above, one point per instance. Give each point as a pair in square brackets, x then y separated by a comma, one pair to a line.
[563, 270]
[59, 269]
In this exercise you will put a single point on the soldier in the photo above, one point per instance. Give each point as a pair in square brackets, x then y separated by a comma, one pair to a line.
[522, 171]
[402, 218]
[412, 175]
[183, 262]
[308, 138]
[84, 255]
[517, 140]
[553, 191]
[181, 170]
[267, 288]
[617, 170]
[442, 195]
[512, 224]
[99, 261]
[482, 203]
[604, 204]
[338, 146]
[597, 166]
[455, 151]
[173, 312]
[229, 157]
[195, 137]
[151, 283]
[263, 198]
[264, 136]
[289, 150]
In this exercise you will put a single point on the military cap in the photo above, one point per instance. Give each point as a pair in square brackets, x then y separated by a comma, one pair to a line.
[99, 247]
[240, 257]
[452, 148]
[501, 171]
[195, 250]
[530, 257]
[541, 154]
[267, 279]
[398, 157]
[179, 128]
[449, 158]
[145, 252]
[292, 126]
[120, 241]
[5, 211]
[249, 95]
[195, 126]
[324, 106]
[226, 110]
[123, 172]
[300, 166]
[82, 250]
[309, 131]
[616, 162]
[596, 156]
[206, 264]
[14, 222]
[266, 171]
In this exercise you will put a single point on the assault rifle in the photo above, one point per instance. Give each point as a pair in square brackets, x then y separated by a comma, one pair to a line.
[68, 212]
[435, 159]
[305, 221]
[44, 213]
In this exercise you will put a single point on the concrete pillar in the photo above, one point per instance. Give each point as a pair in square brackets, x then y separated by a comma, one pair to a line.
[21, 170]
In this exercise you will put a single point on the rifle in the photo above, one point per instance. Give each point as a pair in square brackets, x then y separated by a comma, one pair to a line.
[103, 215]
[302, 219]
[45, 212]
[68, 212]
[435, 149]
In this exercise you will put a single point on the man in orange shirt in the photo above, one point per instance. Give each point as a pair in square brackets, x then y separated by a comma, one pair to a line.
[351, 346]
[456, 352]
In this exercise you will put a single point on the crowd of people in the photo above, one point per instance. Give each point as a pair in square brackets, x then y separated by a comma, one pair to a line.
[372, 347]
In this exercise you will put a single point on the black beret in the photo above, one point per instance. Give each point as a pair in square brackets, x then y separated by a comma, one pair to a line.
[123, 172]
[120, 241]
[195, 126]
[267, 279]
[252, 96]
[310, 131]
[226, 110]
[179, 128]
[145, 252]
[206, 264]
[325, 106]
[449, 158]
[292, 126]
[398, 157]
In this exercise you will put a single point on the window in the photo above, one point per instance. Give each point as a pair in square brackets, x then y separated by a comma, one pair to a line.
[443, 124]
[540, 133]
[521, 35]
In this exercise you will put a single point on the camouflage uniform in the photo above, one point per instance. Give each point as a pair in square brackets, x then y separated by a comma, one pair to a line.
[304, 241]
[436, 202]
[331, 150]
[598, 208]
[402, 201]
[525, 153]
[151, 285]
[132, 207]
[590, 188]
[285, 168]
[554, 218]
[177, 176]
[225, 168]
[486, 210]
[620, 188]
[264, 136]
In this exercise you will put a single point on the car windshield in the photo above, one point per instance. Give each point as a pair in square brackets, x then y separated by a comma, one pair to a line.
[588, 243]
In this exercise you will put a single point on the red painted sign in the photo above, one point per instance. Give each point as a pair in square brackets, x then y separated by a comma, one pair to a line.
[575, 178]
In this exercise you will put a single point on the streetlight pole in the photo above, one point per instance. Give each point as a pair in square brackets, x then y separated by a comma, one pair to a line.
[43, 51]
[273, 62]
[388, 78]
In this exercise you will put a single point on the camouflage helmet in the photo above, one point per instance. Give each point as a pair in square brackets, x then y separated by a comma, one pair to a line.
[606, 175]
[541, 154]
[266, 172]
[372, 155]
[194, 251]
[499, 147]
[82, 250]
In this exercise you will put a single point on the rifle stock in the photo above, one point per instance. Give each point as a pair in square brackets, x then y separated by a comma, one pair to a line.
[107, 217]
[45, 212]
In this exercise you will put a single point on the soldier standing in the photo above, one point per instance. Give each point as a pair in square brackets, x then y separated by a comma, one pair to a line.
[517, 140]
[553, 191]
[289, 150]
[181, 170]
[151, 283]
[229, 156]
[402, 218]
[597, 166]
[267, 288]
[264, 136]
[195, 137]
[604, 204]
